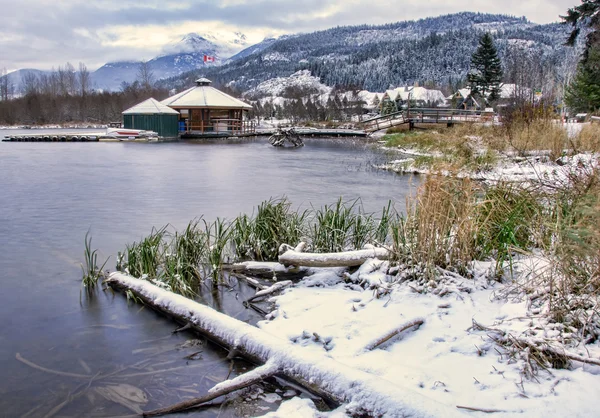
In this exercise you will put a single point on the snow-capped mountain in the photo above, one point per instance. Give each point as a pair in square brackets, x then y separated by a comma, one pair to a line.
[176, 58]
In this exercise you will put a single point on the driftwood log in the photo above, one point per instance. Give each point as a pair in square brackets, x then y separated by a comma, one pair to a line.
[292, 257]
[265, 270]
[323, 376]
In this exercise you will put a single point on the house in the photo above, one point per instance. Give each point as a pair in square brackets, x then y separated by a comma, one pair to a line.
[463, 99]
[204, 110]
[403, 97]
[419, 97]
[509, 93]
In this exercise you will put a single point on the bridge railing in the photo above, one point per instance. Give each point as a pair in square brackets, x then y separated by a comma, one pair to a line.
[385, 121]
[421, 115]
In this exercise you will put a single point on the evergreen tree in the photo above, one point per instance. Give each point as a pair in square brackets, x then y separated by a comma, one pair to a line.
[583, 94]
[486, 70]
[586, 14]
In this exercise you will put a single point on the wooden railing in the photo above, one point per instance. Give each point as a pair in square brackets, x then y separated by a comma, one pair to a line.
[423, 115]
[222, 126]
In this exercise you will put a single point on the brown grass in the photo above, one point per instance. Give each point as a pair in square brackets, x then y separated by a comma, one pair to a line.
[439, 227]
[588, 139]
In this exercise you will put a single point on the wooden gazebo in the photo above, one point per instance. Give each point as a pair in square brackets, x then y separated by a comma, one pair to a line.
[205, 111]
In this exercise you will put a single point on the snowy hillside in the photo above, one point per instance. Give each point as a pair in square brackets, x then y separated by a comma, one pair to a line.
[301, 82]
[427, 51]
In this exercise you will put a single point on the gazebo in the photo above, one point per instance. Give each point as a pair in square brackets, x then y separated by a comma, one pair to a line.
[204, 110]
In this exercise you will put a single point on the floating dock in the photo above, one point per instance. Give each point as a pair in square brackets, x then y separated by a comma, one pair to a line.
[65, 137]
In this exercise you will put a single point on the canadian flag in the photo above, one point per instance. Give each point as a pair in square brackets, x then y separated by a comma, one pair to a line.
[208, 58]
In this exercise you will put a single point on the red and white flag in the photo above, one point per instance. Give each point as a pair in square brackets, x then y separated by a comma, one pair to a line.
[208, 58]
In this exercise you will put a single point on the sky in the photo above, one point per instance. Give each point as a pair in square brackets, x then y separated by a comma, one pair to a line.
[45, 34]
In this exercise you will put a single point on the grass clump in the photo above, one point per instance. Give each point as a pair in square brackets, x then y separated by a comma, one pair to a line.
[90, 271]
[144, 257]
[275, 223]
[509, 217]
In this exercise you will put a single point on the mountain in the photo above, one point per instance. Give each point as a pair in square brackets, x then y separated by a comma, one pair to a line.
[256, 48]
[177, 58]
[434, 50]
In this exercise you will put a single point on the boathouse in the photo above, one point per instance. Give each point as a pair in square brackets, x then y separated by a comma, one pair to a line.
[151, 115]
[206, 111]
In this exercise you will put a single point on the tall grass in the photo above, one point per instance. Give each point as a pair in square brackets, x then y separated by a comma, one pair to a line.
[574, 281]
[217, 234]
[181, 261]
[510, 219]
[439, 227]
[91, 273]
[143, 258]
[332, 227]
[588, 139]
[275, 223]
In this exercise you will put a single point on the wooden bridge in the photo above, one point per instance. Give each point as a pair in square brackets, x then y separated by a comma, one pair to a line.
[425, 115]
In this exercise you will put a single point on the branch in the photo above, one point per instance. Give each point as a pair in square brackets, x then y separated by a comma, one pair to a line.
[416, 322]
[242, 381]
[270, 290]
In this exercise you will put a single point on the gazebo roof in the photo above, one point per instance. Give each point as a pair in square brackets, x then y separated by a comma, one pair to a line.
[204, 95]
[150, 107]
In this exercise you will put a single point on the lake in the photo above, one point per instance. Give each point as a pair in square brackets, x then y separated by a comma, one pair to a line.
[67, 355]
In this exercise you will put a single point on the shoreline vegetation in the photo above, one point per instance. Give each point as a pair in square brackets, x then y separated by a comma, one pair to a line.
[497, 258]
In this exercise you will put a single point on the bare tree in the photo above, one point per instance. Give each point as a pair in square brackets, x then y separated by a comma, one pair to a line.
[83, 80]
[564, 73]
[6, 87]
[145, 76]
[29, 84]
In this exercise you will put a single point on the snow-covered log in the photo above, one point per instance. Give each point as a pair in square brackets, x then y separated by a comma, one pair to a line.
[341, 259]
[364, 392]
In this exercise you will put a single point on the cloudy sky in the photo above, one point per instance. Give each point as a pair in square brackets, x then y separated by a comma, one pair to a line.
[47, 33]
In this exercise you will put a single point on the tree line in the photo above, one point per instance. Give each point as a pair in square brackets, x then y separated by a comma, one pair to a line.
[65, 95]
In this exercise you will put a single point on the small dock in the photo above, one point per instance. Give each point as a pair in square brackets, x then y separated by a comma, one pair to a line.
[63, 137]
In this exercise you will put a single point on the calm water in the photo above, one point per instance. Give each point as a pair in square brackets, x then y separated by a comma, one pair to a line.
[52, 193]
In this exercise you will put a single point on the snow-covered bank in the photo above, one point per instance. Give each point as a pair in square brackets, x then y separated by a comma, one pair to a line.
[532, 168]
[362, 391]
[447, 359]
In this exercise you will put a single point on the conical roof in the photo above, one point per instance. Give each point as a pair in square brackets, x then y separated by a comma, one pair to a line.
[206, 96]
[150, 107]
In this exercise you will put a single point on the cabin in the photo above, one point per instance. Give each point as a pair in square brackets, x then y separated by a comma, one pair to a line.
[463, 99]
[205, 111]
[151, 115]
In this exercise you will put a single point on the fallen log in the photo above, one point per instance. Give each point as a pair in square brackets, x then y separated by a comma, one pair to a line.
[266, 270]
[323, 376]
[341, 259]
